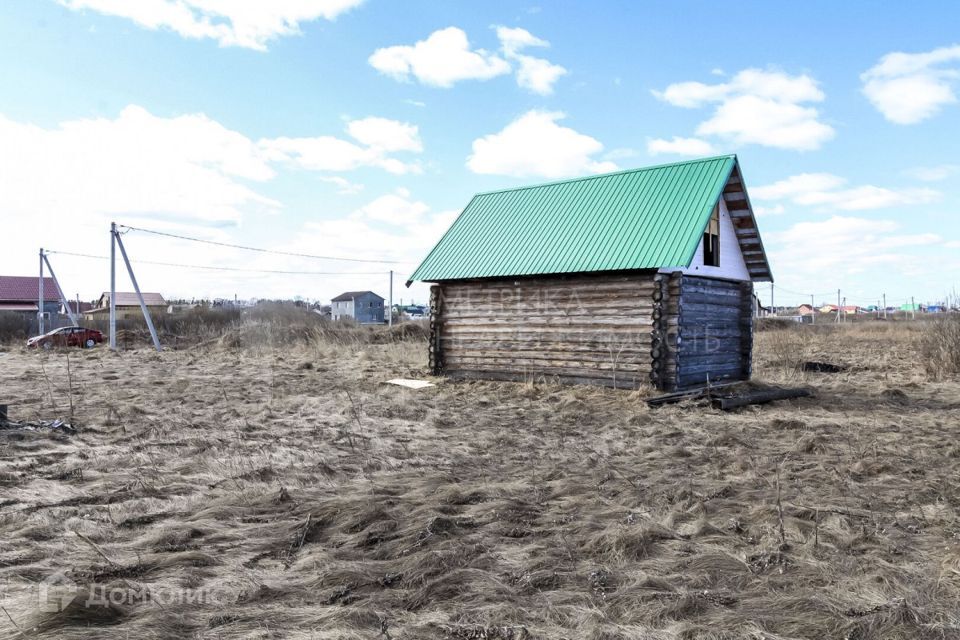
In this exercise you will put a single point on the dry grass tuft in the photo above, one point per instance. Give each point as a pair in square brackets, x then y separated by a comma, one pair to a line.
[940, 347]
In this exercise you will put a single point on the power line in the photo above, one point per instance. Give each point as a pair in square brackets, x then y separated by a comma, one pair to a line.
[200, 266]
[258, 249]
[800, 293]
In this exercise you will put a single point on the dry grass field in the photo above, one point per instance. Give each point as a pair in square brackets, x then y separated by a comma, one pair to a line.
[240, 489]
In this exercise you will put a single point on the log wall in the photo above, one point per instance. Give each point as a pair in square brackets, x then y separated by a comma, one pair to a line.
[671, 330]
[587, 328]
[715, 330]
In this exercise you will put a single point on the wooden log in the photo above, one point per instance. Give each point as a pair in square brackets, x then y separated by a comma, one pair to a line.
[541, 372]
[511, 376]
[686, 380]
[679, 396]
[694, 282]
[695, 365]
[480, 353]
[710, 362]
[720, 313]
[550, 298]
[435, 352]
[470, 291]
[589, 341]
[632, 311]
[546, 323]
[722, 299]
[539, 364]
[758, 396]
[699, 343]
[577, 340]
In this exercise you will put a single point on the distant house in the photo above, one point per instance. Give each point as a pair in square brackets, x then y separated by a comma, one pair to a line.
[828, 308]
[414, 311]
[364, 307]
[22, 294]
[128, 305]
[77, 307]
[806, 310]
[852, 310]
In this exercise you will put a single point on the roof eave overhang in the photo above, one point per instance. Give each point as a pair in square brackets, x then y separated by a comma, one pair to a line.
[737, 201]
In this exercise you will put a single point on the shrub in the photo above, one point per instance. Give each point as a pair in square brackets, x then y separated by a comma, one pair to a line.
[775, 324]
[784, 348]
[940, 347]
[14, 326]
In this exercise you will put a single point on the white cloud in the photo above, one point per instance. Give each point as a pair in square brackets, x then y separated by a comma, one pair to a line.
[388, 135]
[412, 231]
[757, 107]
[377, 137]
[768, 122]
[755, 82]
[952, 244]
[535, 145]
[933, 174]
[680, 146]
[775, 210]
[344, 186]
[445, 58]
[515, 39]
[620, 153]
[185, 166]
[830, 250]
[239, 23]
[64, 184]
[394, 208]
[441, 60]
[538, 75]
[797, 185]
[908, 88]
[824, 190]
[535, 74]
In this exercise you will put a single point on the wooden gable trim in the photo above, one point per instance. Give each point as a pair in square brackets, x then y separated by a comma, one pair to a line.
[737, 201]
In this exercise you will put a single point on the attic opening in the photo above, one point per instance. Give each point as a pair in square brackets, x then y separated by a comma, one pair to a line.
[711, 240]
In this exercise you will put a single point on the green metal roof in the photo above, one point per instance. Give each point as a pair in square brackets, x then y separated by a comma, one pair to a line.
[647, 218]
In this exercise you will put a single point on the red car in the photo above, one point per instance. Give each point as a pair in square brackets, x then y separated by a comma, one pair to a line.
[67, 337]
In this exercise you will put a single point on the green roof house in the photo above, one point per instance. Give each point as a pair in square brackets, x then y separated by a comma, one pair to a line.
[623, 279]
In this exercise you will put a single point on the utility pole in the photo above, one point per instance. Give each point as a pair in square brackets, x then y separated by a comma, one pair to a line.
[773, 309]
[884, 306]
[56, 282]
[878, 309]
[839, 307]
[913, 308]
[813, 311]
[136, 287]
[40, 301]
[390, 322]
[113, 286]
[844, 316]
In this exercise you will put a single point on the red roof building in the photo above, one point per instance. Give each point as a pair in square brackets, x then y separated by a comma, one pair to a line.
[20, 293]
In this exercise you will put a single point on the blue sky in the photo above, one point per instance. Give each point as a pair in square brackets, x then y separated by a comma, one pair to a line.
[359, 129]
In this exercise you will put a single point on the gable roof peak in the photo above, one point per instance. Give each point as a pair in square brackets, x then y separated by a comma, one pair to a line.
[608, 174]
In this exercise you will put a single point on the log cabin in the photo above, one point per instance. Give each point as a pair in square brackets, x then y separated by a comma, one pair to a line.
[624, 279]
